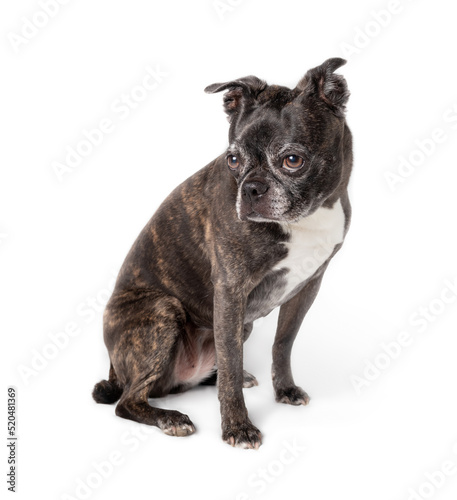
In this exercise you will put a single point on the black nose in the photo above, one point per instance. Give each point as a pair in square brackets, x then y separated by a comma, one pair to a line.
[254, 190]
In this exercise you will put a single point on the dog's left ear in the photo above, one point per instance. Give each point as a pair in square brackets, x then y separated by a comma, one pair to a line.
[241, 93]
[328, 87]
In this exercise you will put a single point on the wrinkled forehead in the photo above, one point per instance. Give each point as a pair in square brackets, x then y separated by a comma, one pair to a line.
[267, 130]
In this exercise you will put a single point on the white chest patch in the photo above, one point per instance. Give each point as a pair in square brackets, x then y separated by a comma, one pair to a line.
[312, 241]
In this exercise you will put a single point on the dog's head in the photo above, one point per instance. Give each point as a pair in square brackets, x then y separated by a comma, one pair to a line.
[286, 147]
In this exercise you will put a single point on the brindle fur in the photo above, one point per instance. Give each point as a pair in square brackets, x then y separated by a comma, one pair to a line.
[198, 276]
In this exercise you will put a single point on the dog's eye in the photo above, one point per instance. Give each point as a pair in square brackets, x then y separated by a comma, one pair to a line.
[292, 162]
[233, 162]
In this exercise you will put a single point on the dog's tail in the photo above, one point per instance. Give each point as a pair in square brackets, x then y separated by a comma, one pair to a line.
[108, 391]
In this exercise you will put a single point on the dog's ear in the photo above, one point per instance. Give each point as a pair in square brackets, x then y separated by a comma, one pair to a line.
[330, 88]
[240, 93]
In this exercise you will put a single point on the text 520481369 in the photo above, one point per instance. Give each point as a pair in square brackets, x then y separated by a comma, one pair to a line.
[12, 439]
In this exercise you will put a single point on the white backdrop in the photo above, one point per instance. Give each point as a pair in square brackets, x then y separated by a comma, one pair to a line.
[103, 113]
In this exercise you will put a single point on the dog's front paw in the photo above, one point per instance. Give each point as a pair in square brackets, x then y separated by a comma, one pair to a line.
[242, 435]
[292, 396]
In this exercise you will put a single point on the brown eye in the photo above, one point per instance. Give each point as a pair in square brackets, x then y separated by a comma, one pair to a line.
[292, 162]
[233, 162]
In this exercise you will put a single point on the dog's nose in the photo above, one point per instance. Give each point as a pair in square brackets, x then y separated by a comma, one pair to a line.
[254, 190]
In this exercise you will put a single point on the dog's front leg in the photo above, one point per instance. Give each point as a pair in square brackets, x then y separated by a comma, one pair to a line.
[291, 315]
[229, 312]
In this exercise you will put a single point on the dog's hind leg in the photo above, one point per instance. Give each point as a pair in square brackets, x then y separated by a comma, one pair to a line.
[134, 406]
[142, 331]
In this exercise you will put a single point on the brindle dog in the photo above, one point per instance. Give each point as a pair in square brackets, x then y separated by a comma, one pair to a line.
[253, 230]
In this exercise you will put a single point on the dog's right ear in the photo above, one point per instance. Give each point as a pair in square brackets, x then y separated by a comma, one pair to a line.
[241, 92]
[329, 87]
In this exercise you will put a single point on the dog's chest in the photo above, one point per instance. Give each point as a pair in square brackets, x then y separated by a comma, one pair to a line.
[311, 243]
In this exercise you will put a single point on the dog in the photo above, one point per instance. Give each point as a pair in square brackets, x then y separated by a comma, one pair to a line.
[253, 230]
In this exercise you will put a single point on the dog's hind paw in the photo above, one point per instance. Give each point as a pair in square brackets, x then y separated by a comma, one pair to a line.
[176, 424]
[292, 396]
[249, 380]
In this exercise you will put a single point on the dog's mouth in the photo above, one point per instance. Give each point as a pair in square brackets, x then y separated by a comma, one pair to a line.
[247, 213]
[258, 211]
[262, 202]
[255, 217]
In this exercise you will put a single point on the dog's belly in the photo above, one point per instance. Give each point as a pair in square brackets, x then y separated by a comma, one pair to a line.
[195, 357]
[312, 241]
